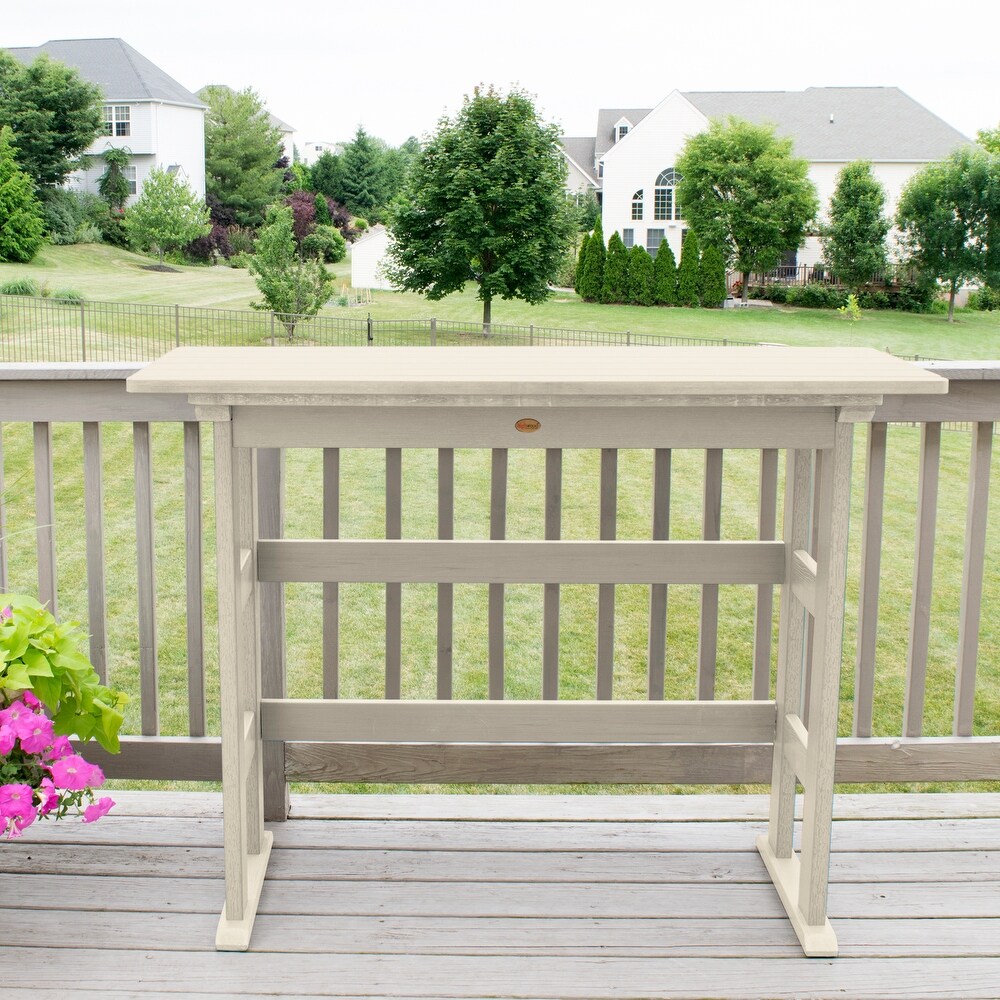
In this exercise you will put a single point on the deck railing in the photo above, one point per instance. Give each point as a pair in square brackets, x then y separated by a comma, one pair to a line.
[85, 444]
[38, 329]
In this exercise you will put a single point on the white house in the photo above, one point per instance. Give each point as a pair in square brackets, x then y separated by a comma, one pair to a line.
[146, 111]
[630, 162]
[367, 259]
[312, 149]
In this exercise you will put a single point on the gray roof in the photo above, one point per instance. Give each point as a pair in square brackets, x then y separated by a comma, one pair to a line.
[581, 151]
[870, 123]
[122, 73]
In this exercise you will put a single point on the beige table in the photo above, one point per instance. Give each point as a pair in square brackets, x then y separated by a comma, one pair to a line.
[804, 400]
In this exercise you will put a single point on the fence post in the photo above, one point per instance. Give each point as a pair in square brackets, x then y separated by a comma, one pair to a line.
[83, 331]
[371, 339]
[434, 332]
[531, 335]
[177, 325]
[272, 329]
[628, 338]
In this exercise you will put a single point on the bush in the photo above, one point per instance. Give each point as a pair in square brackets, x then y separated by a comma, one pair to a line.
[985, 299]
[566, 275]
[917, 295]
[875, 298]
[68, 295]
[326, 243]
[241, 239]
[61, 221]
[239, 260]
[89, 233]
[112, 226]
[639, 282]
[816, 296]
[362, 225]
[20, 286]
[211, 246]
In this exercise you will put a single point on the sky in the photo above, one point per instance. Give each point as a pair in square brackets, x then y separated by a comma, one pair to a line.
[396, 67]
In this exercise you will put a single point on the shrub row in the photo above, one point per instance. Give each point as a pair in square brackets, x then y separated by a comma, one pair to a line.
[916, 296]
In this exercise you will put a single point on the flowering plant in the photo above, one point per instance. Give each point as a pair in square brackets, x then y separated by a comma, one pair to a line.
[43, 667]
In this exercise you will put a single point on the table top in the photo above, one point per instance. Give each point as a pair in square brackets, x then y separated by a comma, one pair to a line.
[511, 371]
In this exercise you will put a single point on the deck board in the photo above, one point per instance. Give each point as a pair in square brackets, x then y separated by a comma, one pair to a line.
[507, 896]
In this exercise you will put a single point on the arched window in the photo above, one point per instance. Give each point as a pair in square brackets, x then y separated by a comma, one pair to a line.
[637, 205]
[665, 205]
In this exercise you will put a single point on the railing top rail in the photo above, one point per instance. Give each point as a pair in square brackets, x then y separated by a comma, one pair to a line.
[70, 371]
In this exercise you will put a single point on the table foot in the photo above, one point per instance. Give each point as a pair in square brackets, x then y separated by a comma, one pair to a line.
[234, 935]
[817, 940]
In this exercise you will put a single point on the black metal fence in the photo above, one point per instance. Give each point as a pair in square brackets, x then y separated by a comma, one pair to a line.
[46, 329]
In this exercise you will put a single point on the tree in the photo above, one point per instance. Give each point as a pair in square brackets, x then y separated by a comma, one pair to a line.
[327, 176]
[363, 183]
[322, 210]
[640, 276]
[291, 287]
[712, 278]
[581, 261]
[113, 185]
[665, 276]
[54, 113]
[687, 273]
[949, 216]
[484, 203]
[744, 192]
[989, 139]
[241, 150]
[21, 223]
[167, 216]
[615, 286]
[587, 209]
[592, 279]
[854, 248]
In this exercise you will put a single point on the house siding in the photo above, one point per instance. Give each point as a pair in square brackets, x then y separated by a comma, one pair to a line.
[367, 259]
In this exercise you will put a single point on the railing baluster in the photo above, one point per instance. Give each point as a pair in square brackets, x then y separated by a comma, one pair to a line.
[45, 518]
[146, 577]
[708, 631]
[923, 574]
[498, 531]
[972, 577]
[550, 606]
[194, 583]
[3, 521]
[764, 618]
[817, 479]
[871, 568]
[658, 591]
[393, 591]
[445, 591]
[606, 591]
[93, 499]
[331, 591]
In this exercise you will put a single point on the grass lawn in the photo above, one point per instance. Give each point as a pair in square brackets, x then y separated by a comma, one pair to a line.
[106, 273]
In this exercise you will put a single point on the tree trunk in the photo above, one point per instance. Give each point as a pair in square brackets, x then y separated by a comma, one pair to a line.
[951, 300]
[487, 311]
[746, 287]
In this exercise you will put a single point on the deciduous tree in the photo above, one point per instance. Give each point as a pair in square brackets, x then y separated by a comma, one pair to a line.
[744, 192]
[21, 224]
[241, 150]
[949, 215]
[484, 203]
[54, 113]
[167, 216]
[291, 287]
[854, 248]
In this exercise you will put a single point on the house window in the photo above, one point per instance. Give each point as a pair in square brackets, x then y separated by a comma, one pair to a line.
[117, 119]
[637, 206]
[628, 238]
[622, 132]
[129, 174]
[665, 205]
[654, 237]
[600, 169]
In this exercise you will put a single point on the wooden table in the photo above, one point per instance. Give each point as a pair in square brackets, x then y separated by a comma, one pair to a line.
[804, 400]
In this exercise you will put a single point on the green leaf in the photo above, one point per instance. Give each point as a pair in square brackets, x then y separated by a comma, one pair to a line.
[37, 663]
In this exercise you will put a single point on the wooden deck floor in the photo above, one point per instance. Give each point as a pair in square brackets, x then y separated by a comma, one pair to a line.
[459, 896]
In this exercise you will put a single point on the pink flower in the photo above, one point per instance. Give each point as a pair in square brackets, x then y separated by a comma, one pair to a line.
[100, 808]
[13, 712]
[75, 774]
[35, 733]
[30, 699]
[7, 738]
[5, 613]
[17, 808]
[49, 797]
[61, 747]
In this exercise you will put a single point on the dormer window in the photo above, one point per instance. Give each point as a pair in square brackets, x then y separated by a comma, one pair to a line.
[637, 206]
[600, 169]
[622, 132]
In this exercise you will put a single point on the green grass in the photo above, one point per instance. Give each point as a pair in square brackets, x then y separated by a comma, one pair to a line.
[106, 273]
[362, 515]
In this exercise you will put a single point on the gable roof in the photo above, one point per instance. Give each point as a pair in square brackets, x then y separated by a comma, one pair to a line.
[581, 151]
[869, 123]
[119, 70]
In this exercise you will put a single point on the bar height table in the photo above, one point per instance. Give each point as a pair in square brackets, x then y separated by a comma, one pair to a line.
[804, 400]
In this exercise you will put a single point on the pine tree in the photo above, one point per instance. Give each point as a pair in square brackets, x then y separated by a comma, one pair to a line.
[665, 276]
[593, 266]
[615, 287]
[21, 225]
[687, 273]
[581, 261]
[322, 211]
[640, 277]
[362, 165]
[712, 278]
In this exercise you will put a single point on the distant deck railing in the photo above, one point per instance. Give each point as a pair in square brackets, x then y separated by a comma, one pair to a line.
[38, 329]
[78, 419]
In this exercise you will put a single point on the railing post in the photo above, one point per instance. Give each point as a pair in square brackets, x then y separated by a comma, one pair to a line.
[371, 339]
[434, 329]
[272, 329]
[628, 338]
[270, 524]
